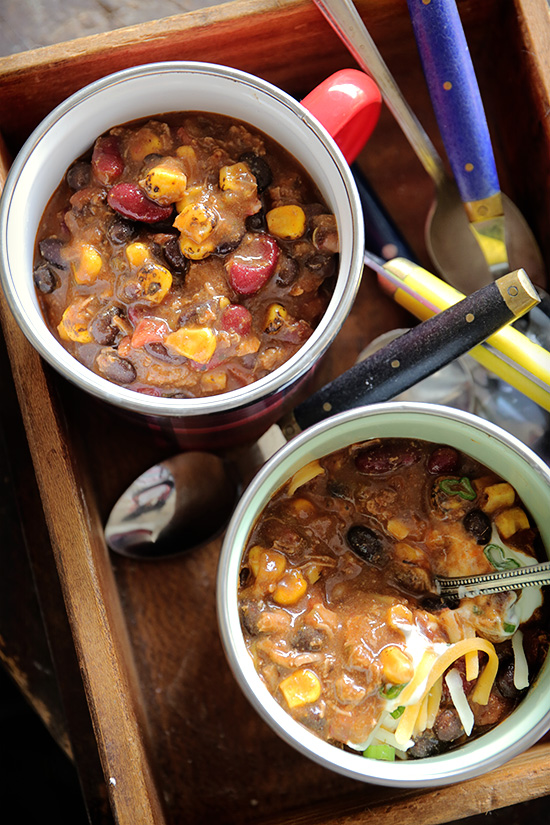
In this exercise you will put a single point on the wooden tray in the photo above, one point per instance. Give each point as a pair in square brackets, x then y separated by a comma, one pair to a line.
[176, 739]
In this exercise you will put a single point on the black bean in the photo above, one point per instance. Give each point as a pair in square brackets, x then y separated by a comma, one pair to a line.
[505, 680]
[174, 257]
[425, 745]
[45, 279]
[259, 168]
[410, 578]
[256, 222]
[244, 576]
[478, 524]
[287, 270]
[121, 231]
[434, 604]
[227, 246]
[114, 368]
[322, 265]
[50, 249]
[78, 176]
[103, 328]
[447, 726]
[308, 639]
[337, 489]
[367, 544]
[443, 460]
[250, 612]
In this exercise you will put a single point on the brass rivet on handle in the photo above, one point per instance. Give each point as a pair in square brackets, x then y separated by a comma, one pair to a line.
[470, 317]
[395, 363]
[513, 291]
[327, 406]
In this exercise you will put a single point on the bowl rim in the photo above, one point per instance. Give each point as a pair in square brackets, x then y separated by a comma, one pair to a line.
[347, 283]
[525, 725]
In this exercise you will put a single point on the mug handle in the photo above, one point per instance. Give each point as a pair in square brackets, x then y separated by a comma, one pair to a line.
[348, 105]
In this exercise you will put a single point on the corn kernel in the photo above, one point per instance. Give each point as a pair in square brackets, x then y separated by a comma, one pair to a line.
[137, 253]
[186, 153]
[254, 555]
[399, 615]
[74, 323]
[303, 475]
[89, 265]
[510, 521]
[312, 572]
[290, 588]
[144, 142]
[274, 318]
[301, 688]
[287, 222]
[165, 183]
[302, 508]
[196, 252]
[194, 194]
[397, 528]
[408, 553]
[397, 666]
[498, 495]
[154, 281]
[196, 221]
[196, 343]
[214, 381]
[238, 178]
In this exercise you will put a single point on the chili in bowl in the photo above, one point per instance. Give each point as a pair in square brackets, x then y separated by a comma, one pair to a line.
[328, 611]
[184, 241]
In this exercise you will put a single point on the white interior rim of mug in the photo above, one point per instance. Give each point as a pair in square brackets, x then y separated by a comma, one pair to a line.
[465, 431]
[150, 90]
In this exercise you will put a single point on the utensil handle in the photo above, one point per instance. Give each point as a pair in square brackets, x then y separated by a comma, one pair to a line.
[347, 23]
[423, 350]
[382, 236]
[455, 95]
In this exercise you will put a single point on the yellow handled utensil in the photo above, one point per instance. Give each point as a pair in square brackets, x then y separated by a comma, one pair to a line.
[507, 353]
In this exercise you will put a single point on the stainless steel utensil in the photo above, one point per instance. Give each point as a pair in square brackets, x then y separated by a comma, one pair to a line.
[460, 114]
[451, 244]
[535, 575]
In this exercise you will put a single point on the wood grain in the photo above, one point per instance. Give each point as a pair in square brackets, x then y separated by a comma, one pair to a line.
[172, 728]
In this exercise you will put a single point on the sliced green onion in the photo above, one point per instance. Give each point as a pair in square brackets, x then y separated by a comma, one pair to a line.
[398, 712]
[391, 691]
[456, 487]
[495, 554]
[508, 628]
[384, 752]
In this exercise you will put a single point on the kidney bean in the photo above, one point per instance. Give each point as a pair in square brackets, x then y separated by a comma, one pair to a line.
[174, 257]
[130, 201]
[443, 460]
[50, 249]
[237, 318]
[78, 176]
[259, 168]
[159, 351]
[366, 544]
[107, 162]
[114, 368]
[384, 459]
[253, 263]
[121, 231]
[478, 524]
[45, 279]
[102, 327]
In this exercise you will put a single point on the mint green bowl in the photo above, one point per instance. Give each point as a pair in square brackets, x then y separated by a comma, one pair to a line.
[484, 441]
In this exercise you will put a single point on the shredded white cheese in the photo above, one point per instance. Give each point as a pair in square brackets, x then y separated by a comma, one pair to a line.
[456, 689]
[521, 669]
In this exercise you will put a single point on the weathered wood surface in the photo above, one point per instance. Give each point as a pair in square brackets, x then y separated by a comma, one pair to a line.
[175, 736]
